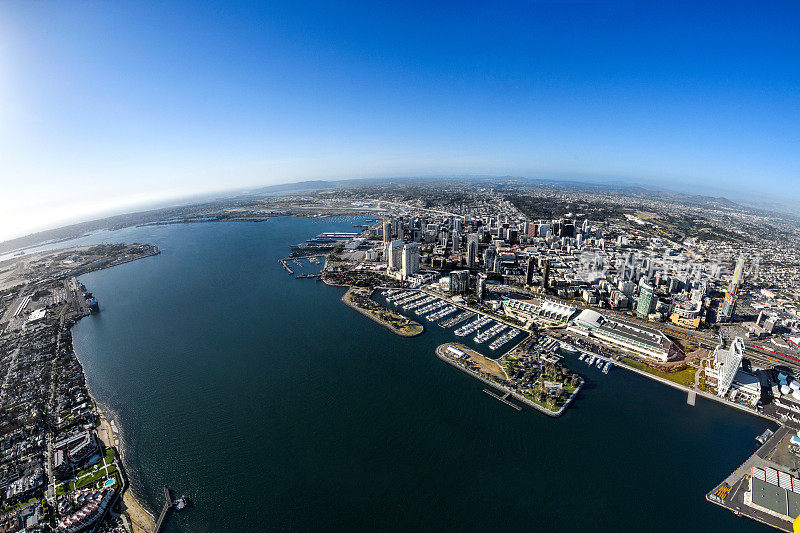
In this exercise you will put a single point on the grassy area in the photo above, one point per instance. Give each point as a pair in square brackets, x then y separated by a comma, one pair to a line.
[109, 456]
[89, 480]
[485, 365]
[683, 377]
[20, 505]
[548, 403]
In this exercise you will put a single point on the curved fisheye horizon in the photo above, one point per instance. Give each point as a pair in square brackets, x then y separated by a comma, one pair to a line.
[106, 105]
[399, 266]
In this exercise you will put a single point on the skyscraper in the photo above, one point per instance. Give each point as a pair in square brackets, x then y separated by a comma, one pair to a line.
[546, 274]
[387, 231]
[647, 299]
[472, 250]
[459, 281]
[728, 308]
[488, 258]
[480, 286]
[529, 271]
[410, 260]
[394, 255]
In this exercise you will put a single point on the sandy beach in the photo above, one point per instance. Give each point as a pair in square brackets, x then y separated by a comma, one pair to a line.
[142, 520]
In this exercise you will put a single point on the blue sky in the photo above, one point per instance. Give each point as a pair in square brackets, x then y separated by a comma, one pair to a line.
[105, 105]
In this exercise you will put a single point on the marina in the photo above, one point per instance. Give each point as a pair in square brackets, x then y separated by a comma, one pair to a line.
[473, 326]
[459, 318]
[445, 311]
[489, 333]
[504, 338]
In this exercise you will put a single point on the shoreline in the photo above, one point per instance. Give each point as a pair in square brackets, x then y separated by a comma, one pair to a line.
[142, 520]
[685, 389]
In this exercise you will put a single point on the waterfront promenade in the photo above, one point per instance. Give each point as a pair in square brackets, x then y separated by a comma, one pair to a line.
[678, 386]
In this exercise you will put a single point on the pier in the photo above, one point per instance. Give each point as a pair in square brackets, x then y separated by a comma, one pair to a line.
[692, 397]
[503, 399]
[164, 510]
[288, 269]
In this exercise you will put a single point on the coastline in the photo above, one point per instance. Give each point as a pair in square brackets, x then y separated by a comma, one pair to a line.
[142, 520]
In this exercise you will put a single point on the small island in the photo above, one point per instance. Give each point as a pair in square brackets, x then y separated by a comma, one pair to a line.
[361, 300]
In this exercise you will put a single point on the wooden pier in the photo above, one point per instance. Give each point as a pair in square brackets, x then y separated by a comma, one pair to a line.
[164, 510]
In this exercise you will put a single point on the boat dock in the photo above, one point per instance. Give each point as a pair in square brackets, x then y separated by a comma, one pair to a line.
[503, 399]
[288, 269]
[692, 398]
[164, 510]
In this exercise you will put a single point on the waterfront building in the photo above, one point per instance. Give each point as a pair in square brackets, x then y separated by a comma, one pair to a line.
[640, 340]
[394, 255]
[480, 286]
[538, 308]
[725, 366]
[410, 260]
[774, 492]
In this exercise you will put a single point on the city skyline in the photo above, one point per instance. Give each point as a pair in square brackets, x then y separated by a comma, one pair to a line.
[108, 108]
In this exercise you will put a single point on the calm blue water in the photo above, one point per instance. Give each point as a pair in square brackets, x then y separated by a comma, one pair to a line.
[276, 407]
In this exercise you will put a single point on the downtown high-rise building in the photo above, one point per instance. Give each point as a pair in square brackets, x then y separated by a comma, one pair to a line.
[529, 270]
[387, 231]
[647, 299]
[410, 260]
[480, 286]
[459, 281]
[394, 255]
[488, 258]
[728, 308]
[472, 250]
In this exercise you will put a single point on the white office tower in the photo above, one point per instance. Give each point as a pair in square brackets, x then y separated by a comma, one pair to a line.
[457, 226]
[394, 254]
[727, 363]
[410, 260]
[387, 231]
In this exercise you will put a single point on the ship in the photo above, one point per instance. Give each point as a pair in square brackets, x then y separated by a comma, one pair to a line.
[182, 503]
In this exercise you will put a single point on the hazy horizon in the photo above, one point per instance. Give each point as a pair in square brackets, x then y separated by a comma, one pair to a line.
[106, 107]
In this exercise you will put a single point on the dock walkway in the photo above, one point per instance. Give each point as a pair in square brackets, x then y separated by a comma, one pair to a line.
[503, 399]
[164, 510]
